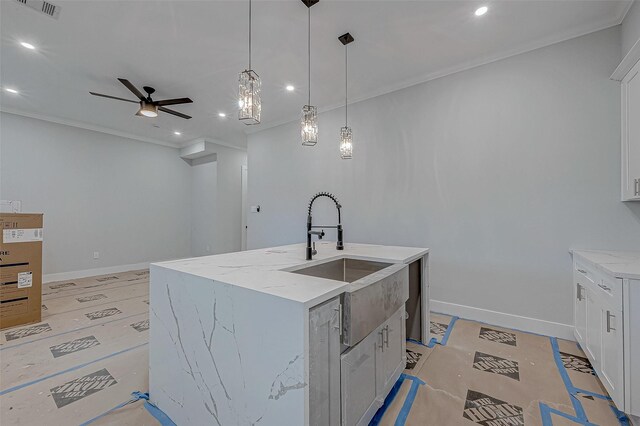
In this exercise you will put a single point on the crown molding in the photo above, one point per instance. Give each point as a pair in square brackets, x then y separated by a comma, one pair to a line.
[549, 41]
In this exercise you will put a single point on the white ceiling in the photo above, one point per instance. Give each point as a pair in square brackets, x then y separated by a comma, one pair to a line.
[197, 48]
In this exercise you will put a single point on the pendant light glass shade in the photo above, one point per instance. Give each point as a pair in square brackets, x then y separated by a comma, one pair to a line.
[346, 143]
[346, 137]
[249, 107]
[309, 125]
[309, 120]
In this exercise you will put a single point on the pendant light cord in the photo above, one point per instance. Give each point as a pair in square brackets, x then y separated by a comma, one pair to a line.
[346, 77]
[309, 52]
[249, 34]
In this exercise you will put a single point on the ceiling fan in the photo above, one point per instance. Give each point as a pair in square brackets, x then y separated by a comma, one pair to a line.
[149, 107]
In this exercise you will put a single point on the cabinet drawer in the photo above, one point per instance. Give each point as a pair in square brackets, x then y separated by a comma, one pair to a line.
[604, 287]
[610, 290]
[582, 274]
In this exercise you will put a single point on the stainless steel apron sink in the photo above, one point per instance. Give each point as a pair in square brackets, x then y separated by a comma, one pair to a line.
[376, 291]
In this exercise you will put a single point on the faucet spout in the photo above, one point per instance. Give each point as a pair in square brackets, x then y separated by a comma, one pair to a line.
[340, 244]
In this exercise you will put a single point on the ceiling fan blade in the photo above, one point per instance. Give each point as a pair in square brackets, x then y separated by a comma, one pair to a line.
[170, 111]
[133, 89]
[173, 101]
[113, 97]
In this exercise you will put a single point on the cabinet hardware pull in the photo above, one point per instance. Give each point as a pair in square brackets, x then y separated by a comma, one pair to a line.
[609, 328]
[381, 332]
[339, 310]
[604, 287]
[387, 332]
[582, 271]
[636, 187]
[579, 292]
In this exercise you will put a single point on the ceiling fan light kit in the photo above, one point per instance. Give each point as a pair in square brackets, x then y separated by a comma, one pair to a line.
[147, 109]
[309, 119]
[249, 103]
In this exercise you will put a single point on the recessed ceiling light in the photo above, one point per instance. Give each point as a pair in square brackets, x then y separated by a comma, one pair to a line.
[27, 45]
[222, 114]
[177, 133]
[481, 10]
[14, 91]
[290, 88]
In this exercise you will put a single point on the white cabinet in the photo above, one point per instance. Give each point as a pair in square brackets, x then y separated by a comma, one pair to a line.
[371, 368]
[631, 134]
[612, 359]
[324, 364]
[599, 326]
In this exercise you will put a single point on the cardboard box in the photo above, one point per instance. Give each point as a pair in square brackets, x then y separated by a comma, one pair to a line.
[20, 269]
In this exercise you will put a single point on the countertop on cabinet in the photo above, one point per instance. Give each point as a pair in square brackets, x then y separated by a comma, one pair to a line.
[264, 270]
[620, 264]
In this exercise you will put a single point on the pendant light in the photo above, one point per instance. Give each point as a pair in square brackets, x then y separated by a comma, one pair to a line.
[309, 122]
[249, 106]
[346, 137]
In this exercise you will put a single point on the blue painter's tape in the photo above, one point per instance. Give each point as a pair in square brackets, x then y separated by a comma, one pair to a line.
[577, 405]
[387, 402]
[445, 338]
[546, 412]
[408, 402]
[158, 414]
[4, 348]
[135, 396]
[435, 341]
[622, 417]
[77, 367]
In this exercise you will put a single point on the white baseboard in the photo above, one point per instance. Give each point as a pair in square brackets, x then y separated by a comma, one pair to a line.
[64, 276]
[501, 319]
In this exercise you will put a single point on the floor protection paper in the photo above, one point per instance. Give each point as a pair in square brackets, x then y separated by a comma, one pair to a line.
[88, 355]
[492, 376]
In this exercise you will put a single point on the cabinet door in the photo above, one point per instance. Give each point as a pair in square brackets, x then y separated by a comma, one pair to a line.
[580, 313]
[612, 358]
[594, 328]
[391, 353]
[631, 134]
[324, 364]
[359, 381]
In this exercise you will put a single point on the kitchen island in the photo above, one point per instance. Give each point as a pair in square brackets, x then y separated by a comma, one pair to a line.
[267, 337]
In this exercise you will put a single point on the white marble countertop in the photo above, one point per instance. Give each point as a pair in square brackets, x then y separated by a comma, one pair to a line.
[263, 269]
[619, 264]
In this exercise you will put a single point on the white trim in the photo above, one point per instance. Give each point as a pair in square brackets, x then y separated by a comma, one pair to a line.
[215, 142]
[627, 63]
[72, 275]
[501, 319]
[85, 126]
[575, 33]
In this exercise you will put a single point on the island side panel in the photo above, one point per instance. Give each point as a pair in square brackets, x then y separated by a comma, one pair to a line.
[426, 297]
[223, 355]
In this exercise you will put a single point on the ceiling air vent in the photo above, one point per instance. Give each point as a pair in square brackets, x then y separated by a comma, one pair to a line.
[42, 7]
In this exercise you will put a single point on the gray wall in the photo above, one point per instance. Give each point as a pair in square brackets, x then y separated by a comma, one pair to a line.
[204, 196]
[500, 170]
[229, 199]
[129, 200]
[631, 28]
